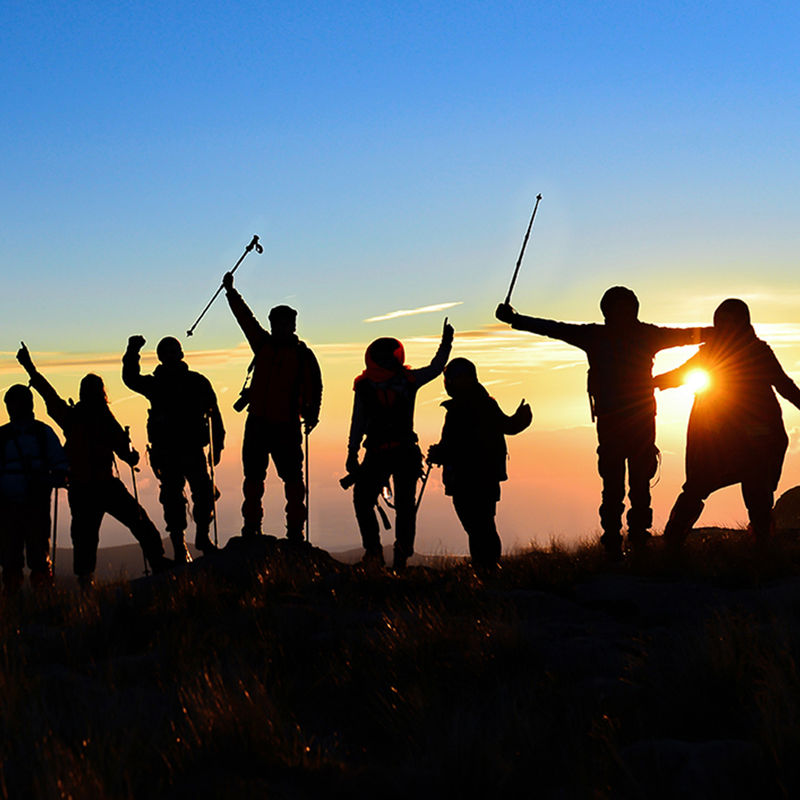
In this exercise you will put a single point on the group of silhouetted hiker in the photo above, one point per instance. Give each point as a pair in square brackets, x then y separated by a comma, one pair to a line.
[735, 435]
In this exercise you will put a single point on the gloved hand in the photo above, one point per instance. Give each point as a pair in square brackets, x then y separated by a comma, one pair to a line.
[447, 332]
[310, 424]
[131, 458]
[136, 343]
[523, 416]
[505, 313]
[352, 464]
[227, 281]
[435, 454]
[217, 455]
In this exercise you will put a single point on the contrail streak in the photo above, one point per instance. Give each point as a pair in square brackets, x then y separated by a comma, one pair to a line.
[407, 312]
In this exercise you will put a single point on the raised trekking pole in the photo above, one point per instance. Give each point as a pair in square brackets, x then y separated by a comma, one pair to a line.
[254, 245]
[308, 508]
[55, 527]
[213, 480]
[134, 470]
[522, 251]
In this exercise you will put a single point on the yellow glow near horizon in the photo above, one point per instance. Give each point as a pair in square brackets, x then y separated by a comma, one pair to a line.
[698, 380]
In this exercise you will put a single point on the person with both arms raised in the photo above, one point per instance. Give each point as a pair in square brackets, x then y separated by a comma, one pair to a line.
[622, 400]
[286, 388]
[183, 407]
[93, 436]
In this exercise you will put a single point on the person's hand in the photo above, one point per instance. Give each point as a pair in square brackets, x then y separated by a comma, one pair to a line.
[227, 281]
[136, 342]
[309, 425]
[60, 480]
[505, 313]
[351, 465]
[447, 332]
[24, 358]
[523, 415]
[133, 457]
[216, 456]
[434, 454]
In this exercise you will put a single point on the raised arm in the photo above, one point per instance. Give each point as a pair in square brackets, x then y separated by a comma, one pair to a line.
[518, 421]
[57, 407]
[131, 368]
[425, 374]
[250, 326]
[785, 386]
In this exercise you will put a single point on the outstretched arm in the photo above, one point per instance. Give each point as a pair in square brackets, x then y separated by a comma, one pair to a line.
[57, 407]
[250, 326]
[568, 332]
[519, 420]
[439, 361]
[786, 387]
[677, 377]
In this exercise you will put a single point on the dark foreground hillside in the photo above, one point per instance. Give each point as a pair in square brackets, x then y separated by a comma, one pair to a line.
[272, 673]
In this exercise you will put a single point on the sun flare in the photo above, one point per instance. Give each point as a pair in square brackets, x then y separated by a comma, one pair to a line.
[698, 380]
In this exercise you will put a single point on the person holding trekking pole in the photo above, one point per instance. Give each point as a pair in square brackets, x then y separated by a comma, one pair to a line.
[286, 389]
[93, 438]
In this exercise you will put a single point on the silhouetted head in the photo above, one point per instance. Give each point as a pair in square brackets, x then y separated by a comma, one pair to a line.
[460, 375]
[19, 403]
[282, 322]
[732, 316]
[169, 350]
[386, 352]
[619, 306]
[93, 391]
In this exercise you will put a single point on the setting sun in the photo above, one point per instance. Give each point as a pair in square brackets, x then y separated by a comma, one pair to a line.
[698, 380]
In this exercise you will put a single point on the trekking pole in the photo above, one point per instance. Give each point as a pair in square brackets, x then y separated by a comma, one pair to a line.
[522, 251]
[308, 508]
[136, 497]
[253, 245]
[213, 479]
[55, 527]
[425, 476]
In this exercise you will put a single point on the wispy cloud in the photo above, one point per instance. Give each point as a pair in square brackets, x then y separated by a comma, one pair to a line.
[409, 312]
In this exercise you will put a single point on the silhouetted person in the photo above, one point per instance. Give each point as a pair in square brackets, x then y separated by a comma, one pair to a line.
[383, 411]
[182, 405]
[286, 388]
[472, 452]
[620, 384]
[736, 432]
[92, 438]
[32, 461]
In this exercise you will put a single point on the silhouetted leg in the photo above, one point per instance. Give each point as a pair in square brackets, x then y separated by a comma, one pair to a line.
[37, 542]
[611, 465]
[758, 497]
[641, 468]
[255, 460]
[684, 514]
[366, 489]
[121, 504]
[404, 481]
[476, 510]
[86, 510]
[170, 494]
[202, 489]
[287, 453]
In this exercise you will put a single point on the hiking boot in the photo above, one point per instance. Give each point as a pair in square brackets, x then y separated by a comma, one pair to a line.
[160, 563]
[399, 563]
[372, 560]
[204, 544]
[295, 536]
[179, 547]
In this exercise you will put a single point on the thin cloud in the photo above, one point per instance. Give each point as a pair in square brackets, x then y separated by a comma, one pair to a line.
[408, 312]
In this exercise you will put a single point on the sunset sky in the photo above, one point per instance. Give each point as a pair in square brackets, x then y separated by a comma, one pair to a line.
[388, 155]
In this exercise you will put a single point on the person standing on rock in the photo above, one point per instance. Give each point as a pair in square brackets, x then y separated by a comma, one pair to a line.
[473, 453]
[32, 462]
[736, 432]
[383, 412]
[183, 411]
[285, 394]
[621, 396]
[93, 437]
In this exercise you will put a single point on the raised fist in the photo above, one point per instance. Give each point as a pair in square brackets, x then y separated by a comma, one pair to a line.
[136, 342]
[447, 331]
[505, 312]
[227, 281]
